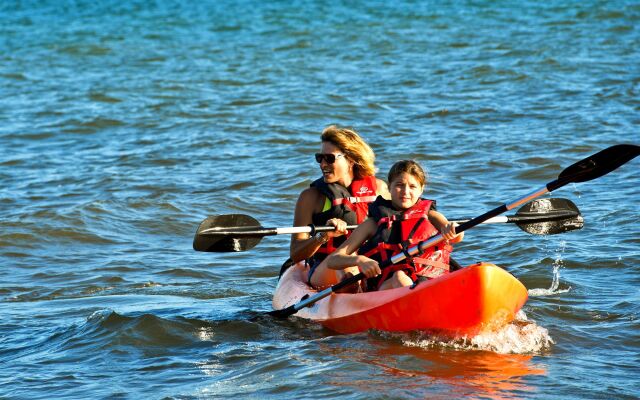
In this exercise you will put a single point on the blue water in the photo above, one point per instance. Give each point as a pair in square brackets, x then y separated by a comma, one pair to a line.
[124, 124]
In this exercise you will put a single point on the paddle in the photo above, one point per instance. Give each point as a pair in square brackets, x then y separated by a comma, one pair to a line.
[585, 170]
[239, 232]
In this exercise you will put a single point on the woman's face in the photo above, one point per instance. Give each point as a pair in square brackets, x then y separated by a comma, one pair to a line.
[405, 191]
[341, 170]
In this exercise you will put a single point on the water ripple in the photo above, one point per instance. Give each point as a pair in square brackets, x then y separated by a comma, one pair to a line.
[126, 124]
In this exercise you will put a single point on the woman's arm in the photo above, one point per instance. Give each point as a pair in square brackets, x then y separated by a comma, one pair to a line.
[303, 245]
[382, 189]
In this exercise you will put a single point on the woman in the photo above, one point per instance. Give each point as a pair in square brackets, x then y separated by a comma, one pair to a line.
[339, 198]
[396, 225]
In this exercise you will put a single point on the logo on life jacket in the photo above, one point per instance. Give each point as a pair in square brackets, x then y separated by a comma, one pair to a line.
[363, 190]
[411, 213]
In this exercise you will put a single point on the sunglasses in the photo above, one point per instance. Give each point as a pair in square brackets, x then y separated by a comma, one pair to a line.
[329, 158]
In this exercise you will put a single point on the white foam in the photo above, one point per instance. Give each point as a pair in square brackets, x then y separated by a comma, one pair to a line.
[518, 337]
[236, 244]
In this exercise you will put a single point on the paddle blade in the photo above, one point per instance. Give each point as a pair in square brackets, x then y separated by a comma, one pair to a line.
[225, 243]
[551, 216]
[596, 165]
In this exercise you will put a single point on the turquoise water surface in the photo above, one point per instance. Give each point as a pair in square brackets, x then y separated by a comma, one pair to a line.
[125, 124]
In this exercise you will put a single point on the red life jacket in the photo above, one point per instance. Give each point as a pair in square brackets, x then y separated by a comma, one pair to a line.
[398, 231]
[349, 204]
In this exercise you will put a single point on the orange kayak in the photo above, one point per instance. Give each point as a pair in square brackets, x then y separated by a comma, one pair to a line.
[466, 302]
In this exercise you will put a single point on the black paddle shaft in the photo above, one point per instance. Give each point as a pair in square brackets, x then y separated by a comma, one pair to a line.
[585, 170]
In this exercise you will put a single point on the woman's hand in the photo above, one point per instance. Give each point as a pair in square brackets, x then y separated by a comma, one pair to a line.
[341, 227]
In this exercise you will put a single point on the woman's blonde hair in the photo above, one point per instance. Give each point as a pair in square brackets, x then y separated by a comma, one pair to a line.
[411, 167]
[353, 147]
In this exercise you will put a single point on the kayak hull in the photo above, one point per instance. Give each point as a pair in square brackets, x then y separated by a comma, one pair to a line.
[466, 302]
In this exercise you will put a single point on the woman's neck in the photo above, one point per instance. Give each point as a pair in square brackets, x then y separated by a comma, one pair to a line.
[346, 181]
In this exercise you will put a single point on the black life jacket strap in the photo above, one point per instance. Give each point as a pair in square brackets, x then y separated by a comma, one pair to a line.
[415, 228]
[405, 244]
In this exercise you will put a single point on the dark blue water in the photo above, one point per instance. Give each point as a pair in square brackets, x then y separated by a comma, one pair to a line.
[124, 124]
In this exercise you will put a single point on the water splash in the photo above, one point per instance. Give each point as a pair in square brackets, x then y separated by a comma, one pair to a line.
[555, 282]
[521, 336]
